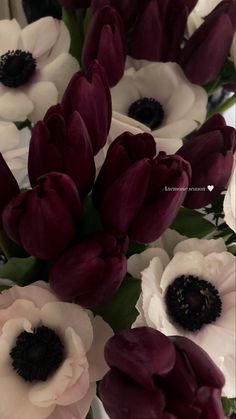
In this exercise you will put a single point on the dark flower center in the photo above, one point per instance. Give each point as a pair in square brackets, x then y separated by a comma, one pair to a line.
[148, 111]
[192, 302]
[16, 68]
[37, 355]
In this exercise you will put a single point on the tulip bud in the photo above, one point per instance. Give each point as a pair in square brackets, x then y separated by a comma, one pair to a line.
[138, 194]
[215, 34]
[60, 145]
[75, 4]
[127, 9]
[44, 220]
[153, 376]
[91, 271]
[160, 28]
[210, 153]
[89, 94]
[104, 41]
[9, 186]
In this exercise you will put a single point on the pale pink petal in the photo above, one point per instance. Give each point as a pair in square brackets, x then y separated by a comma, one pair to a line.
[20, 309]
[39, 293]
[97, 364]
[61, 315]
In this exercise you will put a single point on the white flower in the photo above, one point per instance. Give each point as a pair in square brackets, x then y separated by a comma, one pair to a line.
[35, 67]
[193, 295]
[230, 202]
[233, 50]
[51, 355]
[157, 98]
[196, 17]
[14, 147]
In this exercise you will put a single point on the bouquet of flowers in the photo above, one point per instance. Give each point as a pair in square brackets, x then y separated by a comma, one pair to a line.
[117, 203]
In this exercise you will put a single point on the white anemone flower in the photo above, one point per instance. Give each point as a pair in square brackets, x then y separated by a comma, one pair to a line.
[192, 294]
[35, 67]
[230, 202]
[14, 147]
[233, 50]
[157, 98]
[51, 355]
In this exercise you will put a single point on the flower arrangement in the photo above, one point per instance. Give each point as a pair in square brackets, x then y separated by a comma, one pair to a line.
[117, 203]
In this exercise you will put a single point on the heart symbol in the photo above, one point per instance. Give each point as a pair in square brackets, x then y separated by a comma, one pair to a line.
[210, 187]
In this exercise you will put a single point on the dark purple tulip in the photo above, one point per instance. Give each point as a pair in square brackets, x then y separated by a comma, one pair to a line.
[9, 186]
[215, 34]
[89, 94]
[60, 145]
[160, 28]
[210, 153]
[131, 191]
[91, 271]
[44, 220]
[128, 9]
[75, 4]
[156, 377]
[104, 41]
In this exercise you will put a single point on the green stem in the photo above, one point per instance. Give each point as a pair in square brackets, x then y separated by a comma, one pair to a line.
[24, 124]
[76, 33]
[226, 105]
[4, 244]
[90, 414]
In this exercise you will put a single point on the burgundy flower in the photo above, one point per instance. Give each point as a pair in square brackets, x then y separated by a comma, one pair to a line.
[127, 9]
[215, 34]
[9, 186]
[210, 153]
[89, 94]
[104, 41]
[156, 377]
[75, 4]
[44, 220]
[62, 145]
[160, 28]
[132, 189]
[91, 271]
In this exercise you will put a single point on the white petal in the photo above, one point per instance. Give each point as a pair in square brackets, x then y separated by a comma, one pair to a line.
[40, 36]
[122, 123]
[9, 136]
[60, 71]
[176, 129]
[61, 315]
[15, 105]
[9, 35]
[169, 145]
[228, 367]
[62, 43]
[230, 202]
[43, 95]
[97, 364]
[138, 262]
[124, 94]
[203, 246]
[38, 293]
[168, 240]
[179, 103]
[23, 309]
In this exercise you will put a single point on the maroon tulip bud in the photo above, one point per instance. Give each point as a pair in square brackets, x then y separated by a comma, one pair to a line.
[44, 220]
[91, 271]
[132, 189]
[160, 28]
[127, 9]
[104, 41]
[9, 186]
[60, 145]
[88, 93]
[210, 153]
[156, 377]
[75, 4]
[215, 34]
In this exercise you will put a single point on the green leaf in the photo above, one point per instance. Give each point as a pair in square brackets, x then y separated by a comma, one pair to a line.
[22, 271]
[76, 33]
[120, 311]
[90, 414]
[136, 248]
[192, 223]
[229, 406]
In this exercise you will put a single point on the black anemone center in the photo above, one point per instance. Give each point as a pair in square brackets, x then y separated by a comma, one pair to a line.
[148, 111]
[37, 355]
[192, 302]
[16, 68]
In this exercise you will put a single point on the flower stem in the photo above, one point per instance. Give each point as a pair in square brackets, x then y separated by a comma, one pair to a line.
[76, 33]
[226, 105]
[90, 414]
[4, 244]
